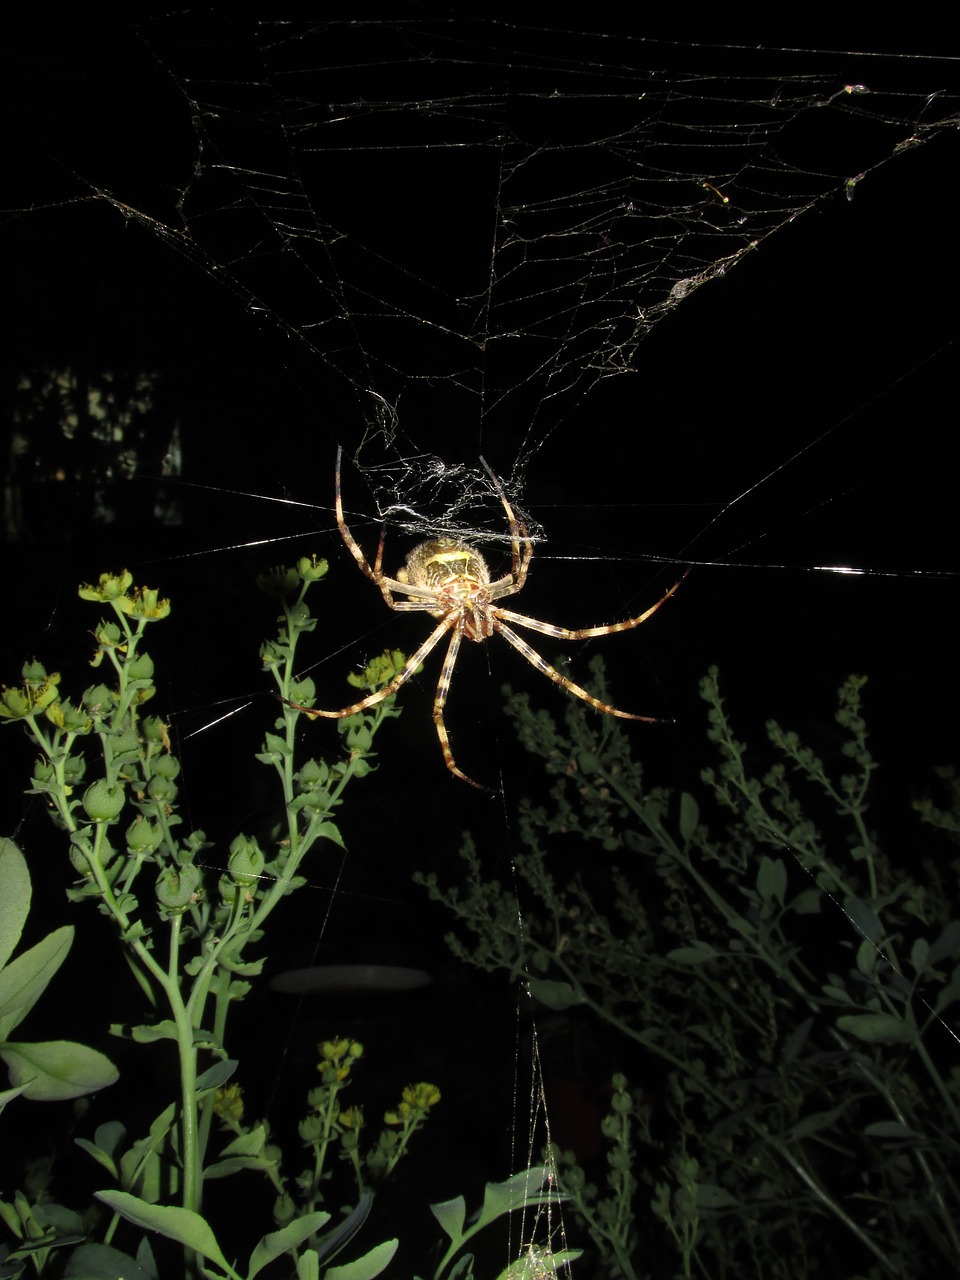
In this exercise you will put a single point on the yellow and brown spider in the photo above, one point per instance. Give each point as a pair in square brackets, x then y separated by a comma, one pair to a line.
[449, 579]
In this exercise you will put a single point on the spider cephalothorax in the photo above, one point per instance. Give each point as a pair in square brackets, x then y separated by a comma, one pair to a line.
[450, 580]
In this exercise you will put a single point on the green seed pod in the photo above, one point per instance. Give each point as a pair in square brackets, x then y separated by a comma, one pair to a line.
[154, 729]
[103, 800]
[166, 767]
[141, 668]
[176, 887]
[98, 700]
[246, 861]
[126, 743]
[80, 862]
[162, 790]
[143, 836]
[228, 890]
[310, 1130]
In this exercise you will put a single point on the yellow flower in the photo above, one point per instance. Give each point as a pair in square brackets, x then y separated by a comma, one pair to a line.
[415, 1103]
[351, 1118]
[228, 1104]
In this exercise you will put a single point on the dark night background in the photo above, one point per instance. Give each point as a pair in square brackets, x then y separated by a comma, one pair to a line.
[817, 380]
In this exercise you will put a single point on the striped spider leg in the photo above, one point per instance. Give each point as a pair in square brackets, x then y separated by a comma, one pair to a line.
[449, 579]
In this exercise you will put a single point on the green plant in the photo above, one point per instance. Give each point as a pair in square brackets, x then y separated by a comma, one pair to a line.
[776, 979]
[110, 780]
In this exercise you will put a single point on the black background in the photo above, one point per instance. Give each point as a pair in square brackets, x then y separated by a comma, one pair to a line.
[817, 380]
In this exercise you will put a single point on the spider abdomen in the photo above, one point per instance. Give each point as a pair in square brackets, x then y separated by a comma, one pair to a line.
[442, 562]
[457, 573]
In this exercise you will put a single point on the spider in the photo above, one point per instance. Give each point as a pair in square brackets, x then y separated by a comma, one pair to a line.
[449, 579]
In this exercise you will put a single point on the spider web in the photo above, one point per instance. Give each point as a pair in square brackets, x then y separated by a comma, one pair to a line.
[466, 225]
[441, 240]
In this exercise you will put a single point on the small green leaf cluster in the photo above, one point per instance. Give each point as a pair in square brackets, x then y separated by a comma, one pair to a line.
[776, 977]
[329, 1125]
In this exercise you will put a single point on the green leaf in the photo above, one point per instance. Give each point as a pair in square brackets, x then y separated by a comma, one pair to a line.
[946, 944]
[279, 1242]
[163, 1030]
[919, 954]
[102, 1262]
[697, 954]
[99, 1155]
[247, 1144]
[711, 1197]
[815, 1122]
[450, 1214]
[892, 1129]
[226, 1168]
[25, 979]
[141, 1165]
[867, 957]
[276, 745]
[537, 1262]
[796, 1040]
[864, 918]
[837, 993]
[58, 1069]
[8, 1095]
[877, 1028]
[807, 902]
[146, 1260]
[15, 900]
[948, 993]
[216, 1076]
[365, 1268]
[772, 879]
[182, 1225]
[516, 1192]
[343, 1233]
[553, 994]
[308, 1266]
[462, 1269]
[329, 831]
[689, 816]
[109, 1136]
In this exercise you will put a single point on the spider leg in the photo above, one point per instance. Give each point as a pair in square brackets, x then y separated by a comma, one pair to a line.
[520, 562]
[440, 701]
[584, 633]
[401, 678]
[375, 574]
[352, 544]
[551, 673]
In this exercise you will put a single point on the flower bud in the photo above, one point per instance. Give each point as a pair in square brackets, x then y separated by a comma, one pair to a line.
[311, 569]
